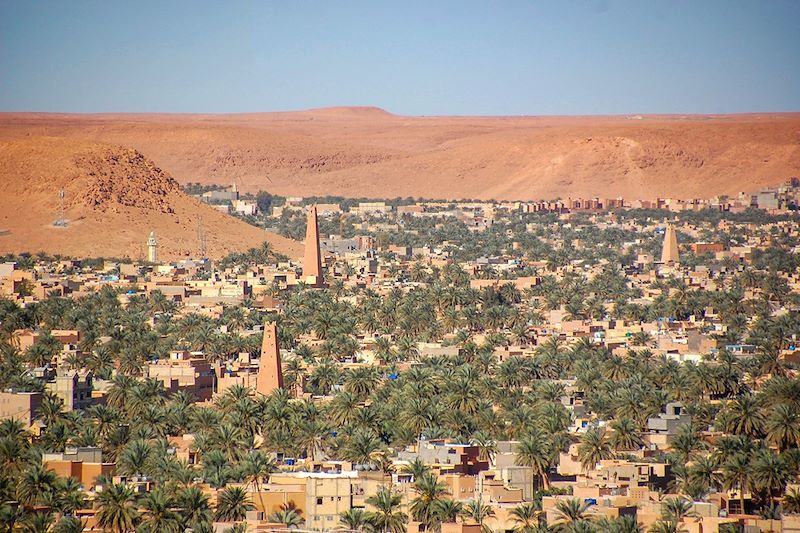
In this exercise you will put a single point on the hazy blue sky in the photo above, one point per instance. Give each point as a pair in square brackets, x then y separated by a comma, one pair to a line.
[410, 57]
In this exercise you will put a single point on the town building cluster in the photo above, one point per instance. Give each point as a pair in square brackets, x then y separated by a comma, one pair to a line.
[574, 283]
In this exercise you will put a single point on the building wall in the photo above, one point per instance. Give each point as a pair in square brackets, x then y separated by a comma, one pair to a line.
[64, 468]
[21, 406]
[325, 499]
[75, 390]
[193, 375]
[270, 501]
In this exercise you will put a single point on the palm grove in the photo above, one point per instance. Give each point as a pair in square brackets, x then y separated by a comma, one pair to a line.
[368, 413]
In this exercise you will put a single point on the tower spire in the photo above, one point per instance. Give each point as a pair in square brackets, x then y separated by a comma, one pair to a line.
[669, 252]
[270, 374]
[152, 255]
[312, 261]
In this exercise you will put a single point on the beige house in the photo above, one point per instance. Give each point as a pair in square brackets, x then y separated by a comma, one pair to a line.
[20, 406]
[184, 371]
[74, 387]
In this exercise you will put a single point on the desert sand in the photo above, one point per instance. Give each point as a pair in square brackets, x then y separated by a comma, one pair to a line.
[121, 172]
[370, 152]
[113, 198]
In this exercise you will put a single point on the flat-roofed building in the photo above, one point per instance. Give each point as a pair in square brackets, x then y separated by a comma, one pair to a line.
[74, 387]
[84, 464]
[186, 371]
[21, 406]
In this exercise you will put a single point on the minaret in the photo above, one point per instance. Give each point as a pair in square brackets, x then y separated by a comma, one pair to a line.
[669, 253]
[312, 262]
[152, 256]
[270, 375]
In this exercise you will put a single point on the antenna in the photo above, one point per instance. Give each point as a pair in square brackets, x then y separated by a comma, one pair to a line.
[60, 221]
[201, 237]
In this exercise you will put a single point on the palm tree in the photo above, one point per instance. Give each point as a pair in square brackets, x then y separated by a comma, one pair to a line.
[12, 517]
[216, 470]
[622, 524]
[312, 436]
[51, 409]
[594, 447]
[13, 429]
[70, 495]
[194, 507]
[290, 517]
[479, 512]
[447, 510]
[116, 509]
[770, 472]
[323, 377]
[120, 391]
[35, 483]
[625, 435]
[254, 469]
[135, 458]
[232, 505]
[361, 381]
[526, 517]
[704, 472]
[69, 524]
[386, 517]
[667, 526]
[236, 528]
[429, 490]
[354, 520]
[569, 513]
[676, 509]
[783, 427]
[417, 415]
[487, 446]
[343, 408]
[744, 416]
[417, 468]
[686, 442]
[362, 447]
[791, 502]
[737, 475]
[157, 514]
[535, 452]
[41, 522]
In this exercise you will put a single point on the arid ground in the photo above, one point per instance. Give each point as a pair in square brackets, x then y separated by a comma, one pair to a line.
[118, 170]
[369, 152]
[113, 198]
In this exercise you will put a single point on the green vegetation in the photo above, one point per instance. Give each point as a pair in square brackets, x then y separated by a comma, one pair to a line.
[372, 412]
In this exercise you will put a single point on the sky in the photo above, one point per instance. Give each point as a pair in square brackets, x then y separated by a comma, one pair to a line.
[463, 57]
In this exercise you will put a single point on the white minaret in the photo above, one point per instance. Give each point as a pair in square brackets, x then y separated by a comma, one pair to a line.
[152, 256]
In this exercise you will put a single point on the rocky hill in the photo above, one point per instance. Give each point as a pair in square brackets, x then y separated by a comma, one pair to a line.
[113, 198]
[369, 152]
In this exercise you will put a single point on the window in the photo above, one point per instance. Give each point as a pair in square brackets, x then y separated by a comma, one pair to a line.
[319, 501]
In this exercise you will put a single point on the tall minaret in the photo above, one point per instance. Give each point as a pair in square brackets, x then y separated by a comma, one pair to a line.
[669, 253]
[152, 256]
[270, 374]
[312, 262]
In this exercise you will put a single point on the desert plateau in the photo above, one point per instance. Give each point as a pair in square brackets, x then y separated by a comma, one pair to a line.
[369, 152]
